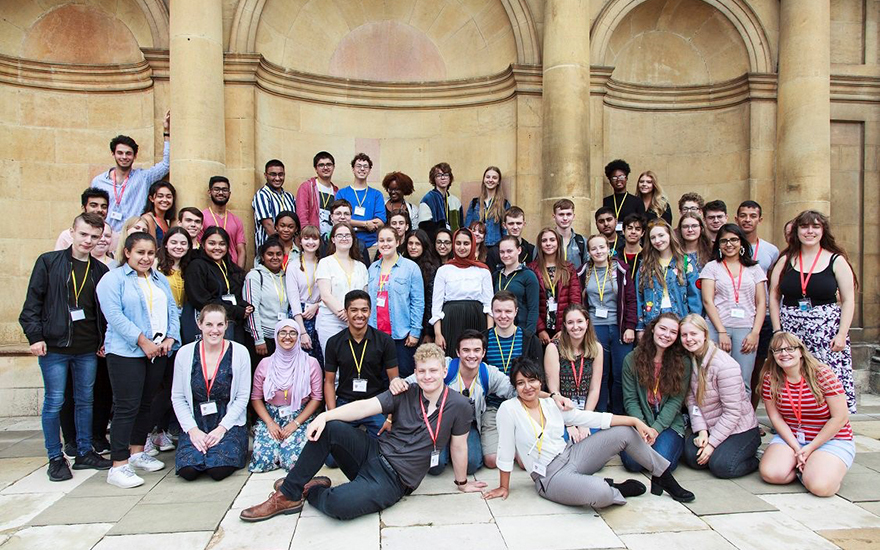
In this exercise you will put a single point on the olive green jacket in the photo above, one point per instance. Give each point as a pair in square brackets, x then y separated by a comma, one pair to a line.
[635, 399]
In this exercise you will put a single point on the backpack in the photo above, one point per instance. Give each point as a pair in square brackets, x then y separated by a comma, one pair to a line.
[452, 373]
[582, 246]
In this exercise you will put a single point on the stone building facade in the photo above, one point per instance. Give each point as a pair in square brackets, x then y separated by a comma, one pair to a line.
[773, 100]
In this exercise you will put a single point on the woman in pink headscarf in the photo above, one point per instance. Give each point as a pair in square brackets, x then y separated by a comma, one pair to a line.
[286, 393]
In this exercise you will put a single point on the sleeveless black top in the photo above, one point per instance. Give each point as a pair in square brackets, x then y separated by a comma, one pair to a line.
[821, 290]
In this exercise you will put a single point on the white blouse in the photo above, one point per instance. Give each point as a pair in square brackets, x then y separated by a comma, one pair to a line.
[298, 285]
[517, 432]
[454, 283]
[330, 268]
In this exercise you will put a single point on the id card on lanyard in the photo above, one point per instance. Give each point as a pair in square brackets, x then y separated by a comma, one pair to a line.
[209, 407]
[434, 434]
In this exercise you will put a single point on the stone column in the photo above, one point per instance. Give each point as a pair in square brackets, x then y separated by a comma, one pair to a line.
[803, 121]
[566, 108]
[198, 134]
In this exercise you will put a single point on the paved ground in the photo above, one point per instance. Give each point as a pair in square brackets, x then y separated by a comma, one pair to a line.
[87, 513]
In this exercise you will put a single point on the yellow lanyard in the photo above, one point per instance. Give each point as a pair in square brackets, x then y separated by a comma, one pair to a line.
[306, 273]
[324, 197]
[665, 269]
[150, 299]
[461, 384]
[485, 215]
[550, 282]
[601, 286]
[508, 280]
[279, 290]
[77, 292]
[539, 438]
[504, 363]
[446, 202]
[359, 201]
[635, 263]
[358, 364]
[617, 209]
[348, 275]
[225, 274]
[225, 216]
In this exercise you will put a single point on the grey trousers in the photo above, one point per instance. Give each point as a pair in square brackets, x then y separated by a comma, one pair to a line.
[570, 478]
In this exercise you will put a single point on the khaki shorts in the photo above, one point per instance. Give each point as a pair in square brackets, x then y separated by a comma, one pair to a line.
[489, 431]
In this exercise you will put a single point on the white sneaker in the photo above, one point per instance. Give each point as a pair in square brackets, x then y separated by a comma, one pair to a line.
[163, 441]
[150, 446]
[143, 461]
[124, 477]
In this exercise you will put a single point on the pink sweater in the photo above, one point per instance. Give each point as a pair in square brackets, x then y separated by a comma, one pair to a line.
[726, 409]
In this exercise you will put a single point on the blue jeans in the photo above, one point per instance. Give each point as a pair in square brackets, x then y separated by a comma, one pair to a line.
[406, 364]
[668, 444]
[55, 367]
[612, 368]
[372, 424]
[475, 455]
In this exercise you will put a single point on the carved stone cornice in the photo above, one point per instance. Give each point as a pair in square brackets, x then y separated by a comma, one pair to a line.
[646, 97]
[75, 77]
[855, 89]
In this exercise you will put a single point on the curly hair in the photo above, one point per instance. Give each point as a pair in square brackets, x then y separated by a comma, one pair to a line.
[674, 361]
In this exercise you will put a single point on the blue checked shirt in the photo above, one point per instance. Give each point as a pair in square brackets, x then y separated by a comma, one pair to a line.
[134, 198]
[267, 204]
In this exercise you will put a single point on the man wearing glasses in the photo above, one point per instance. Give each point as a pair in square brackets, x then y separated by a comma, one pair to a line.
[315, 195]
[269, 201]
[622, 203]
[367, 203]
[691, 202]
[219, 192]
[715, 214]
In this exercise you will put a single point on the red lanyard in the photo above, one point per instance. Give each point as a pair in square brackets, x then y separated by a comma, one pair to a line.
[118, 196]
[431, 433]
[806, 281]
[578, 378]
[798, 415]
[736, 284]
[209, 385]
[755, 254]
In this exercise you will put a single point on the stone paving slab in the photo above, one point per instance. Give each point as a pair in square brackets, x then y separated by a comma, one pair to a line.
[438, 510]
[234, 534]
[854, 539]
[869, 460]
[558, 532]
[17, 510]
[866, 428]
[321, 532]
[865, 444]
[650, 514]
[873, 507]
[13, 469]
[723, 496]
[686, 540]
[97, 486]
[177, 541]
[171, 518]
[28, 447]
[443, 537]
[763, 530]
[757, 486]
[71, 510]
[823, 513]
[860, 487]
[173, 489]
[74, 537]
[38, 482]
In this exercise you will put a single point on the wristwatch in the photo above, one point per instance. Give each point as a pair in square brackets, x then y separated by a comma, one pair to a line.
[460, 483]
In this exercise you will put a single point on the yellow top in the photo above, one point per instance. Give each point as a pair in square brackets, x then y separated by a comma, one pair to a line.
[176, 282]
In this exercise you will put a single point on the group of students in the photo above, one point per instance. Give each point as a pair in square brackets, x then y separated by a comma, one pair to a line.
[554, 351]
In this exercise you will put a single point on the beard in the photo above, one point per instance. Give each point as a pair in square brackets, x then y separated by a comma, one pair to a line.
[219, 202]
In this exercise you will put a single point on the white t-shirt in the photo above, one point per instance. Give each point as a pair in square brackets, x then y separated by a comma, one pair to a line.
[340, 284]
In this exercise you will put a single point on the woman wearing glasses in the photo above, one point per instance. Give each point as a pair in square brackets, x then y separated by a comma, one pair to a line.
[695, 243]
[734, 298]
[807, 406]
[340, 272]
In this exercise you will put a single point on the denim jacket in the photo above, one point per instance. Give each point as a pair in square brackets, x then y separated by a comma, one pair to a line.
[125, 307]
[685, 298]
[494, 230]
[406, 297]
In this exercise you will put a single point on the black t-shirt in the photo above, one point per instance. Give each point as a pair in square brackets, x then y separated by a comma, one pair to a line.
[408, 445]
[493, 257]
[84, 337]
[379, 356]
[628, 204]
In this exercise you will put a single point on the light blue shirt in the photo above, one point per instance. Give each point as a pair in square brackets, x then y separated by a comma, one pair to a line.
[406, 297]
[125, 308]
[134, 198]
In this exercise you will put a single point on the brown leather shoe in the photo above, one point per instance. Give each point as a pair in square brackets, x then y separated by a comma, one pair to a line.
[277, 504]
[314, 482]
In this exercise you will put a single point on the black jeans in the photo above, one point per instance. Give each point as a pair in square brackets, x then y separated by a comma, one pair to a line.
[734, 457]
[161, 409]
[102, 405]
[373, 484]
[134, 381]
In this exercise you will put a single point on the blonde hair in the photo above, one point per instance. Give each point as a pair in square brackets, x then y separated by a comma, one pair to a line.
[810, 367]
[427, 352]
[701, 324]
[659, 203]
[123, 233]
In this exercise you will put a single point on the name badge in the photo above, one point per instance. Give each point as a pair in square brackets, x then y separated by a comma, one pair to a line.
[619, 227]
[281, 316]
[738, 313]
[77, 314]
[285, 412]
[359, 385]
[801, 437]
[551, 304]
[117, 216]
[380, 301]
[229, 298]
[208, 408]
[539, 469]
[360, 211]
[580, 402]
[665, 303]
[805, 304]
[695, 411]
[435, 458]
[602, 313]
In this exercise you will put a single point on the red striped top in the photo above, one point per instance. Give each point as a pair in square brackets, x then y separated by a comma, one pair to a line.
[813, 415]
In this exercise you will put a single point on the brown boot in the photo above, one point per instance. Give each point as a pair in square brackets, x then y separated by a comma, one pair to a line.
[314, 482]
[277, 504]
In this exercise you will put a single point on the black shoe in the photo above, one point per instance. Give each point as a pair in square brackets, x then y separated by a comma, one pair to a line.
[629, 488]
[101, 446]
[59, 469]
[668, 483]
[70, 450]
[91, 461]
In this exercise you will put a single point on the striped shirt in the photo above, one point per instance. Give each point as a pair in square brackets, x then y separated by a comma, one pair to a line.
[813, 415]
[267, 204]
[130, 197]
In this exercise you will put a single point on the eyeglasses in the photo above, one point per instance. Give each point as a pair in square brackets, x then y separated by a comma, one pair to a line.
[691, 209]
[360, 166]
[441, 175]
[288, 334]
[343, 236]
[725, 242]
[784, 349]
[325, 165]
[690, 227]
[617, 178]
[275, 176]
[444, 243]
[220, 190]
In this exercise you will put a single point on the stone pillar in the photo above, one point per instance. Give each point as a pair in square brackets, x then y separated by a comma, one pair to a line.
[566, 107]
[198, 134]
[803, 121]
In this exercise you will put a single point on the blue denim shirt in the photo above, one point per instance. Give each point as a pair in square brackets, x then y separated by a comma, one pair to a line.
[406, 297]
[685, 298]
[494, 231]
[125, 307]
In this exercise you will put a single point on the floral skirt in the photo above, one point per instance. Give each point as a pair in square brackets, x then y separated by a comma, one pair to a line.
[270, 454]
[817, 327]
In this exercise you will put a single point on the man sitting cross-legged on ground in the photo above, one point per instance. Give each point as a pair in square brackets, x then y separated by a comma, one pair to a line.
[427, 417]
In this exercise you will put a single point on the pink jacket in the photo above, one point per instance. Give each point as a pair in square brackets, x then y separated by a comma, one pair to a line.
[307, 202]
[726, 409]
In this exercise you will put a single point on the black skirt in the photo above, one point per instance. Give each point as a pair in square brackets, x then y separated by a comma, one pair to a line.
[458, 316]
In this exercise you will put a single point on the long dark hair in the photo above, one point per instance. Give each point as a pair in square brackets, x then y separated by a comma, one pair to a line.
[745, 257]
[674, 364]
[227, 259]
[149, 208]
[166, 262]
[428, 262]
[827, 242]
